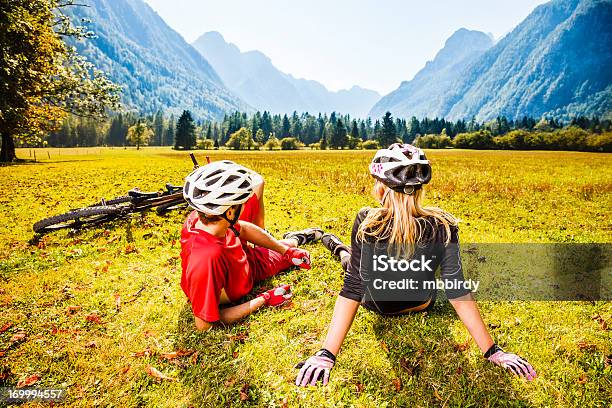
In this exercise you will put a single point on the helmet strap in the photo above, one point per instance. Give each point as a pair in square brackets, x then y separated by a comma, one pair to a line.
[234, 219]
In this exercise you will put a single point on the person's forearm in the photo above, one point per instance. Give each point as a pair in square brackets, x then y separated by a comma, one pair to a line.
[468, 312]
[344, 313]
[235, 313]
[260, 237]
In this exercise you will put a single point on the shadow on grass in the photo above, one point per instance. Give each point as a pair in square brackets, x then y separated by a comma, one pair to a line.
[433, 369]
[216, 377]
[27, 162]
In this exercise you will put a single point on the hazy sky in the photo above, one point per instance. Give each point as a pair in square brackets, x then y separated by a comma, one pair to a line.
[340, 43]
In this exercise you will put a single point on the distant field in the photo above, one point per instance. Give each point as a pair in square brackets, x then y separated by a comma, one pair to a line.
[48, 290]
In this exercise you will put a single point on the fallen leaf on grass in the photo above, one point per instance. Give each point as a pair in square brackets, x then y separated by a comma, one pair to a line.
[5, 327]
[5, 372]
[117, 302]
[18, 336]
[94, 318]
[384, 346]
[582, 379]
[175, 354]
[125, 369]
[359, 387]
[155, 373]
[129, 248]
[397, 383]
[438, 397]
[144, 353]
[287, 305]
[70, 310]
[583, 345]
[244, 396]
[28, 381]
[194, 358]
[239, 338]
[462, 346]
[601, 321]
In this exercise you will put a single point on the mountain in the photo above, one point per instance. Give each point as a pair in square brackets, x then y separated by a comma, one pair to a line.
[424, 94]
[153, 63]
[253, 77]
[554, 63]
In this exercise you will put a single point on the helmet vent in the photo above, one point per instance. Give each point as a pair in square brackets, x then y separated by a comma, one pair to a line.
[242, 196]
[212, 181]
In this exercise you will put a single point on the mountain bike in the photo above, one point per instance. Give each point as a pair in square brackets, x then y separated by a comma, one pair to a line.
[136, 201]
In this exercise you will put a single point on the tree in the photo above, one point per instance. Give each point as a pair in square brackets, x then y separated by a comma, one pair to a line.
[42, 78]
[259, 136]
[158, 128]
[286, 127]
[289, 143]
[355, 129]
[206, 144]
[139, 134]
[370, 145]
[242, 139]
[185, 137]
[272, 143]
[388, 133]
[339, 138]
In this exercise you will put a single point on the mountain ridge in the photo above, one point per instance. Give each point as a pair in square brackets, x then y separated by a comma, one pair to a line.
[253, 76]
[153, 63]
[553, 63]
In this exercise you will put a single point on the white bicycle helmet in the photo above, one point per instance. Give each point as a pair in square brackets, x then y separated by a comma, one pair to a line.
[214, 188]
[402, 167]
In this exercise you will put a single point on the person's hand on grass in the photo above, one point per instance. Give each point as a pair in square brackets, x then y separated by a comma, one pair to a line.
[277, 296]
[315, 368]
[298, 257]
[511, 362]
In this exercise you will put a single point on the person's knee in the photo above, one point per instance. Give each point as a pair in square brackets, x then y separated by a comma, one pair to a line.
[259, 190]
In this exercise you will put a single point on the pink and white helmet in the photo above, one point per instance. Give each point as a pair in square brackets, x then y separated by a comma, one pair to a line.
[214, 188]
[402, 167]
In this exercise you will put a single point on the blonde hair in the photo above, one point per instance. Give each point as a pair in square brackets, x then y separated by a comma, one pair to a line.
[401, 219]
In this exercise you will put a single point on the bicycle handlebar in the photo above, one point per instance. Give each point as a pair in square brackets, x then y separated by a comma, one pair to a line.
[194, 160]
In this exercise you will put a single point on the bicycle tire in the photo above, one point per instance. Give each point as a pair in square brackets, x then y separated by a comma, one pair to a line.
[77, 219]
[118, 200]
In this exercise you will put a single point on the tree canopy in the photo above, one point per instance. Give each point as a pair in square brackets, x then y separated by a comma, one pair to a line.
[42, 79]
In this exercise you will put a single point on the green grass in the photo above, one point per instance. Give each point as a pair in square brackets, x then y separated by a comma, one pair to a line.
[403, 361]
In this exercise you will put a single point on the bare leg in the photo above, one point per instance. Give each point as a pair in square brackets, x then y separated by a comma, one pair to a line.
[260, 218]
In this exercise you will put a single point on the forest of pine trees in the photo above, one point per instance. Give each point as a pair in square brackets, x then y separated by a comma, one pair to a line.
[334, 131]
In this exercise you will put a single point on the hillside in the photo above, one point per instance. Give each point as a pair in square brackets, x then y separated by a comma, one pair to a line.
[555, 63]
[253, 77]
[424, 95]
[152, 62]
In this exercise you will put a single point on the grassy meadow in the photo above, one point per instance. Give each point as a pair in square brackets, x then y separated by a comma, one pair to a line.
[90, 311]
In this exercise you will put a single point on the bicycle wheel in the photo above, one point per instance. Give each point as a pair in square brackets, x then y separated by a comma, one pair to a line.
[118, 200]
[77, 219]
